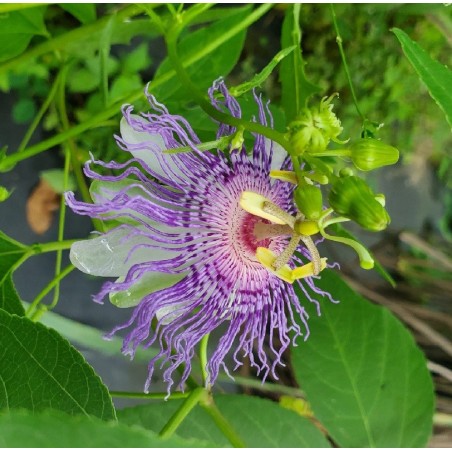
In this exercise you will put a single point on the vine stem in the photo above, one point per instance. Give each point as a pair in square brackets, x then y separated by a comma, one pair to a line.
[41, 112]
[39, 248]
[222, 423]
[35, 310]
[176, 419]
[344, 62]
[203, 358]
[152, 396]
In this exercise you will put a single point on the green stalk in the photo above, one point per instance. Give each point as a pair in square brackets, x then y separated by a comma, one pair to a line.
[184, 410]
[203, 358]
[39, 248]
[223, 424]
[152, 396]
[35, 310]
[344, 62]
[41, 112]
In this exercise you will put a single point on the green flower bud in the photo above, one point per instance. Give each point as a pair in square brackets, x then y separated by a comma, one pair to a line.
[313, 129]
[308, 199]
[353, 198]
[368, 154]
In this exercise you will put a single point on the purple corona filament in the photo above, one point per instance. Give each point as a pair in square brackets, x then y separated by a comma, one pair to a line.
[183, 250]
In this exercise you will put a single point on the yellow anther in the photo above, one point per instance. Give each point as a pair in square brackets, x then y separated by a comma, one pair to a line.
[254, 203]
[306, 227]
[286, 176]
[307, 270]
[267, 258]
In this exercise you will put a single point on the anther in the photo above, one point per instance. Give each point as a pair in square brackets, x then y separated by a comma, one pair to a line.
[275, 211]
[284, 257]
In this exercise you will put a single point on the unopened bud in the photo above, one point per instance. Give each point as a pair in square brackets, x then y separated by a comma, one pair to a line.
[308, 199]
[353, 198]
[313, 129]
[368, 154]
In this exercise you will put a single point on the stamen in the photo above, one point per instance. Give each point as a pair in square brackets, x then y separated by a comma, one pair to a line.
[284, 257]
[255, 204]
[307, 270]
[286, 176]
[267, 258]
[276, 211]
[315, 256]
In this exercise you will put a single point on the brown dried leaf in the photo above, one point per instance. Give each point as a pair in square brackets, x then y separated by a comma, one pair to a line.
[41, 204]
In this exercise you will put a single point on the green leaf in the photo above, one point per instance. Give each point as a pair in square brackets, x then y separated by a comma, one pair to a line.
[9, 298]
[137, 60]
[55, 178]
[259, 422]
[208, 68]
[296, 88]
[42, 370]
[260, 78]
[84, 12]
[365, 378]
[17, 28]
[437, 77]
[24, 111]
[56, 429]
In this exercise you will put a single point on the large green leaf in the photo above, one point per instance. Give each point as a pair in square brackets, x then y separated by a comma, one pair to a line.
[17, 28]
[295, 87]
[56, 429]
[9, 299]
[208, 68]
[363, 374]
[437, 77]
[258, 422]
[39, 369]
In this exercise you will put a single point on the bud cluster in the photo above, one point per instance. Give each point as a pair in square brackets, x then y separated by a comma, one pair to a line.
[349, 197]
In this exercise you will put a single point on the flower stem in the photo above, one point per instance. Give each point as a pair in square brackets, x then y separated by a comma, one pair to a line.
[344, 62]
[35, 311]
[176, 419]
[41, 112]
[39, 248]
[222, 423]
[152, 396]
[203, 358]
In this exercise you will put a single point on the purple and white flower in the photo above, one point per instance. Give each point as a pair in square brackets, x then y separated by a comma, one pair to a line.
[184, 250]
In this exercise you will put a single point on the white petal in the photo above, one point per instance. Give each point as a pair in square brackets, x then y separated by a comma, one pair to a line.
[101, 191]
[149, 283]
[168, 314]
[131, 136]
[279, 154]
[108, 254]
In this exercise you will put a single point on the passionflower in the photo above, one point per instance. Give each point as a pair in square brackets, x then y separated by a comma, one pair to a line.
[194, 241]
